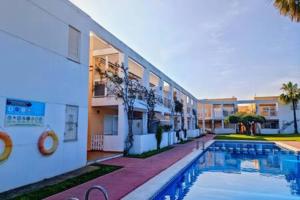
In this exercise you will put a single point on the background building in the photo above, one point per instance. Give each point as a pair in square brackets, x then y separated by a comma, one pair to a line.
[213, 112]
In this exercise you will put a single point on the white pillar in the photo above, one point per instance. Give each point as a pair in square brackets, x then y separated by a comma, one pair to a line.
[203, 118]
[222, 110]
[122, 127]
[146, 78]
[145, 120]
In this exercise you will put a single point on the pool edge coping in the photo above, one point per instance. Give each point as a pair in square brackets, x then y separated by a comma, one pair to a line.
[153, 185]
[279, 143]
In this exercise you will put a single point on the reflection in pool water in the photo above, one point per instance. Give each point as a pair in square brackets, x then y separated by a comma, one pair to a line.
[241, 170]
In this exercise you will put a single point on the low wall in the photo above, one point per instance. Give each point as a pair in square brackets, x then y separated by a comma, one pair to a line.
[269, 131]
[113, 143]
[193, 133]
[224, 130]
[147, 142]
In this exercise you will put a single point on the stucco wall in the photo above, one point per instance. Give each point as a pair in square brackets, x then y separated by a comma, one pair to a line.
[147, 142]
[33, 66]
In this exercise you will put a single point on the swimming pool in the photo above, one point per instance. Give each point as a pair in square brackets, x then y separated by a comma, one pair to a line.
[237, 170]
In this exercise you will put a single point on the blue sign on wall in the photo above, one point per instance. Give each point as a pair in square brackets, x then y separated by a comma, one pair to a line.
[24, 113]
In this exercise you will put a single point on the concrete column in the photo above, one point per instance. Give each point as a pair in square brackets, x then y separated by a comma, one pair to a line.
[145, 120]
[122, 127]
[106, 68]
[222, 110]
[172, 107]
[203, 117]
[146, 78]
[123, 58]
[106, 63]
[160, 87]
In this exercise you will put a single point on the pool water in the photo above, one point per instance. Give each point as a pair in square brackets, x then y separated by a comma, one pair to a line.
[243, 171]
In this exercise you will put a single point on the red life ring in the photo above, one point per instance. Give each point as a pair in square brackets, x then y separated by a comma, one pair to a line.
[41, 143]
[8, 146]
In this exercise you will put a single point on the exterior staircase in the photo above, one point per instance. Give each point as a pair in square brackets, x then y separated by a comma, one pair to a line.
[286, 125]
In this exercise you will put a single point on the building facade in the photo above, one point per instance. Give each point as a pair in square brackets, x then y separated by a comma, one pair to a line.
[54, 108]
[213, 112]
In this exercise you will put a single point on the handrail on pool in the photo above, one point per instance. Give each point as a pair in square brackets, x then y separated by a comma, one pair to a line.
[87, 194]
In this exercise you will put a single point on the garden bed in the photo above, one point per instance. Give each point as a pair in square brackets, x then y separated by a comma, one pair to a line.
[150, 153]
[49, 190]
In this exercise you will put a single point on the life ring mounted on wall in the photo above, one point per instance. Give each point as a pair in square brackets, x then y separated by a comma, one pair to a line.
[7, 146]
[41, 143]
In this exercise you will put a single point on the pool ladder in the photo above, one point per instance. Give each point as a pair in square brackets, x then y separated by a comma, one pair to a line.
[87, 194]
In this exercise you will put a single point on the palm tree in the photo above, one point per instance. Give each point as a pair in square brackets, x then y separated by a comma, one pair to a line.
[291, 94]
[289, 8]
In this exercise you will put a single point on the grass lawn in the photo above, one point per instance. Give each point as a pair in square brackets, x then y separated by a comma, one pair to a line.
[69, 183]
[277, 137]
[150, 153]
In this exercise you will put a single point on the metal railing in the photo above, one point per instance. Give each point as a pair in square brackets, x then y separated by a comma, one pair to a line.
[87, 194]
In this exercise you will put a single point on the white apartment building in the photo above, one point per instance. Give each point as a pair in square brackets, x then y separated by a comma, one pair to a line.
[213, 112]
[54, 109]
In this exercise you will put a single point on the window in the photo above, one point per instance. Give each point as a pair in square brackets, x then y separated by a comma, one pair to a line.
[110, 125]
[71, 123]
[218, 124]
[153, 80]
[74, 44]
[271, 124]
[268, 110]
[136, 71]
[217, 110]
[228, 125]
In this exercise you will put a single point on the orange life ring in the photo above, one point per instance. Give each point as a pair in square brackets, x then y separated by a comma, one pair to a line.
[8, 146]
[41, 143]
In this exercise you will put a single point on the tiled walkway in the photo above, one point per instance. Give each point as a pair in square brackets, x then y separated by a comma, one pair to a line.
[292, 145]
[135, 173]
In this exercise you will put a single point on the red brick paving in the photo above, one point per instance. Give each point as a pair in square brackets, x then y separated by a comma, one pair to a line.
[134, 173]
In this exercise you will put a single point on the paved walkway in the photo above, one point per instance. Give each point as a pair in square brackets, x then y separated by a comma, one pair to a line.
[134, 173]
[292, 145]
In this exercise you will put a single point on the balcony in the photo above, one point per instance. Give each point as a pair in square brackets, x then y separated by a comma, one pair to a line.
[268, 111]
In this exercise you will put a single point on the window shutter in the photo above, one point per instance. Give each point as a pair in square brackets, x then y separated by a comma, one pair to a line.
[71, 123]
[74, 44]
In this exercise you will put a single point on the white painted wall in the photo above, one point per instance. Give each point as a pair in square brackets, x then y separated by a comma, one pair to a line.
[33, 66]
[224, 130]
[285, 113]
[147, 142]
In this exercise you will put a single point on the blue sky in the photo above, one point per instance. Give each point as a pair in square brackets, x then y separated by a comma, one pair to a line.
[215, 48]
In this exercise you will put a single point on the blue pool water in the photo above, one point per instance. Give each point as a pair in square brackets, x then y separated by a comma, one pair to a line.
[243, 171]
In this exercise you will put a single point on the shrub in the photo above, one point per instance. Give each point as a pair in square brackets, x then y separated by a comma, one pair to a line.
[177, 134]
[167, 128]
[158, 136]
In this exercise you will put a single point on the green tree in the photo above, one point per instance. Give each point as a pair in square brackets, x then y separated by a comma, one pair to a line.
[289, 8]
[128, 90]
[158, 136]
[248, 120]
[291, 94]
